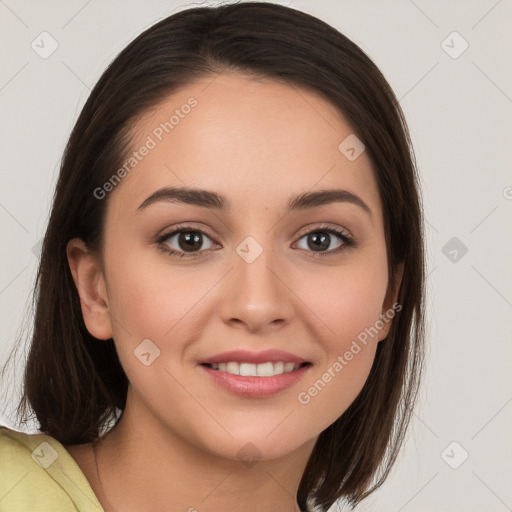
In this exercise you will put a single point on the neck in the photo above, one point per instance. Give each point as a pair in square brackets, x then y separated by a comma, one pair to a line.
[144, 466]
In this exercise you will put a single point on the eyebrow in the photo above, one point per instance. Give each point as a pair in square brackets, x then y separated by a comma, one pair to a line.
[209, 199]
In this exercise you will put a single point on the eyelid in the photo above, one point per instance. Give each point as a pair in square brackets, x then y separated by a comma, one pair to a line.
[306, 230]
[325, 226]
[190, 226]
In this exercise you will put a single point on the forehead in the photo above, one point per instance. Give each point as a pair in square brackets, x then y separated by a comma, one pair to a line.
[256, 141]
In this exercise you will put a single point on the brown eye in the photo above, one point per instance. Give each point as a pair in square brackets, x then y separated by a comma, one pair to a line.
[183, 242]
[322, 241]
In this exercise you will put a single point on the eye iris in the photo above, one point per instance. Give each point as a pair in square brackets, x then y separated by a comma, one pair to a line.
[188, 238]
[319, 241]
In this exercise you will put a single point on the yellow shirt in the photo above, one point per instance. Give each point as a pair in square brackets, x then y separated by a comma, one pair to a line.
[37, 474]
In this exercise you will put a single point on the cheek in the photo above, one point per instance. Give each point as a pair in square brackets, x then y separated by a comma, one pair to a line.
[154, 303]
[345, 302]
[152, 300]
[345, 313]
[334, 386]
[150, 297]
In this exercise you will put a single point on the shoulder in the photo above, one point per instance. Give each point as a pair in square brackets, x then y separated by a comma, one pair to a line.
[38, 473]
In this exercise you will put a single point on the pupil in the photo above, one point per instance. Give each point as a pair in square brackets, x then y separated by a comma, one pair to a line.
[189, 239]
[319, 241]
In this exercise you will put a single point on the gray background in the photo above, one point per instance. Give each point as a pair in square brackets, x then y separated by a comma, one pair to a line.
[459, 110]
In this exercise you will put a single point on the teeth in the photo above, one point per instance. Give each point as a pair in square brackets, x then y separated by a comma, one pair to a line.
[233, 368]
[255, 370]
[288, 367]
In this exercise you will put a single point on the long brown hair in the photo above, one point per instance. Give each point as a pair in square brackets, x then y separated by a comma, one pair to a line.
[75, 384]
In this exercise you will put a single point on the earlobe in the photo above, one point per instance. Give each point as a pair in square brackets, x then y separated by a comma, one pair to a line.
[91, 287]
[390, 306]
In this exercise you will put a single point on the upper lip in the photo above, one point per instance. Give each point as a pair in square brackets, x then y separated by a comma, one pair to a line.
[246, 356]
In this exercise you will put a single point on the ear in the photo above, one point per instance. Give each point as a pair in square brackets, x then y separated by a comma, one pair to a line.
[390, 306]
[90, 283]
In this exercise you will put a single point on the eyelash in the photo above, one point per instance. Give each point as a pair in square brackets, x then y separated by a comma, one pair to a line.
[347, 240]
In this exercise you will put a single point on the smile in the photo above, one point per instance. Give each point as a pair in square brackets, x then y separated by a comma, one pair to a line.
[268, 369]
[251, 380]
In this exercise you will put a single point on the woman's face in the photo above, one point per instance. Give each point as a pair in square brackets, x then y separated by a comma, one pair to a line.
[256, 275]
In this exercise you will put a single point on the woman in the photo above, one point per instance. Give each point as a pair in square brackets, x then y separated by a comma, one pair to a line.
[230, 297]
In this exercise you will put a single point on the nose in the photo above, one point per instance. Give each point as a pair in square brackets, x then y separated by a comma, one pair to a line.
[256, 293]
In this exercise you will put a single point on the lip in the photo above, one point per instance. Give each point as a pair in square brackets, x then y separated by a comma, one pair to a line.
[245, 356]
[255, 387]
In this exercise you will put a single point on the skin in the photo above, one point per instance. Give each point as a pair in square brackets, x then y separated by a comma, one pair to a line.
[257, 142]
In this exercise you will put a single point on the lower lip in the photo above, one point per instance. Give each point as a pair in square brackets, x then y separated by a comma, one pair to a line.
[255, 387]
